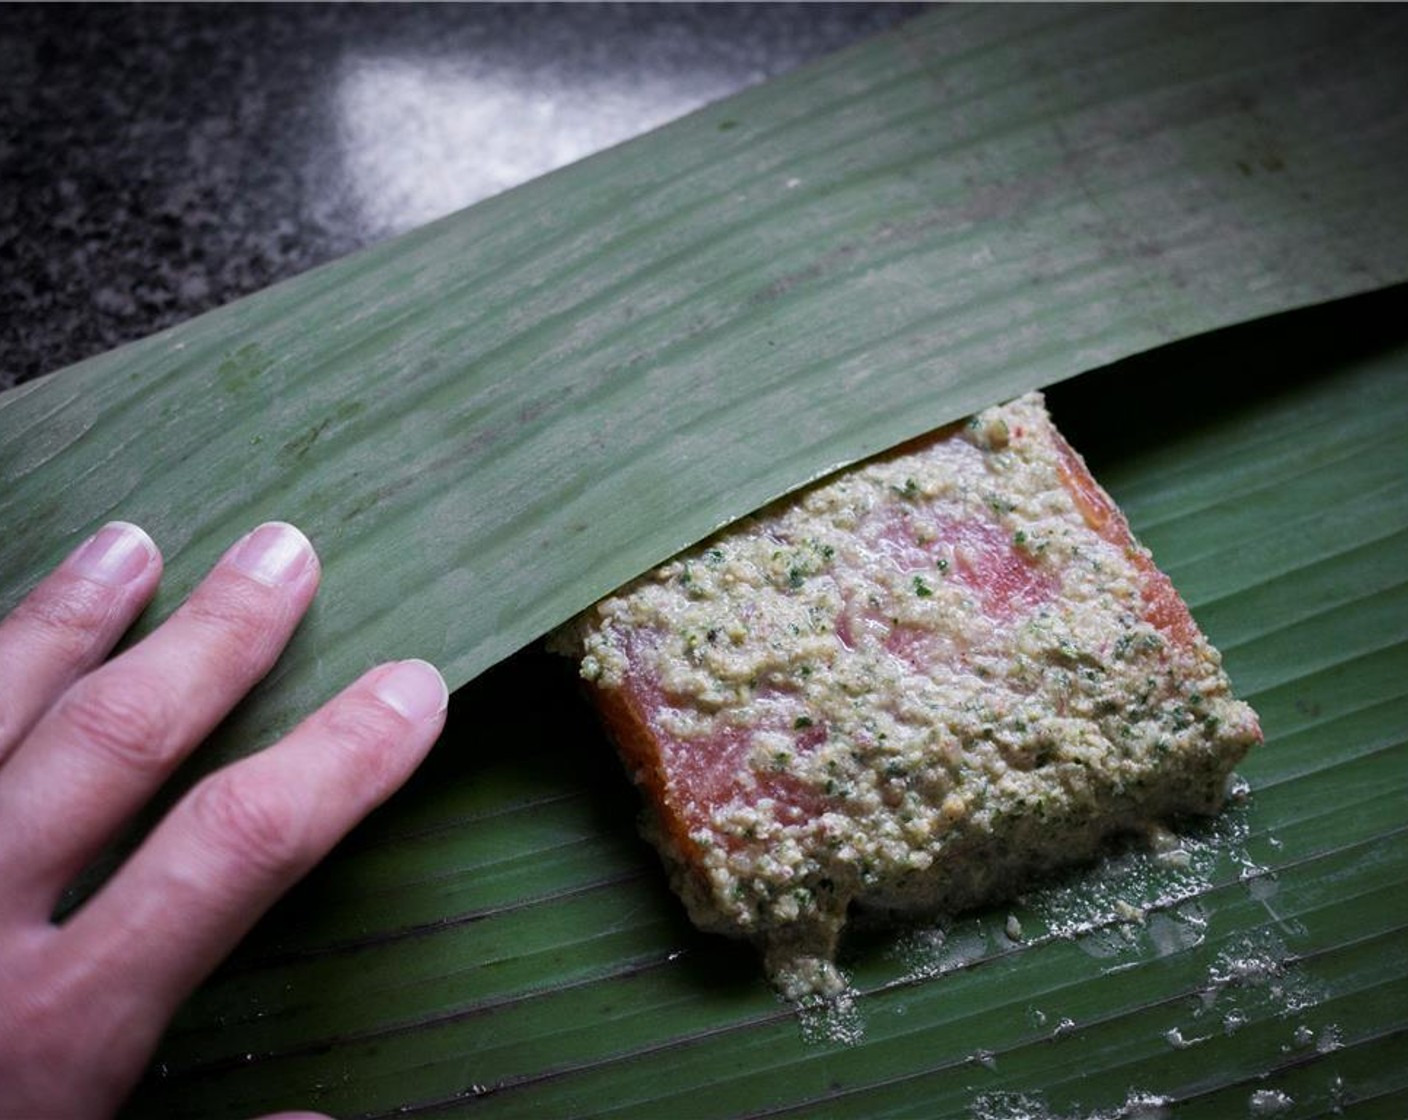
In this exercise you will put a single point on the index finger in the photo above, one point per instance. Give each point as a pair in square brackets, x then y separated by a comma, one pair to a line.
[246, 833]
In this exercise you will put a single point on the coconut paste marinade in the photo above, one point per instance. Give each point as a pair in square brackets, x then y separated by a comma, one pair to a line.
[910, 686]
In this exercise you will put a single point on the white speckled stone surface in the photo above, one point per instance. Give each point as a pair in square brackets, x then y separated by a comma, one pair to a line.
[158, 161]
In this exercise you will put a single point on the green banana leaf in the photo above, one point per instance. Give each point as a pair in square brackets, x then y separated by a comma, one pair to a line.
[601, 367]
[498, 942]
[488, 423]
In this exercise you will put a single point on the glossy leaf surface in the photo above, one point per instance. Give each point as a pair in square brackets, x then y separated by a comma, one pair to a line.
[498, 942]
[489, 423]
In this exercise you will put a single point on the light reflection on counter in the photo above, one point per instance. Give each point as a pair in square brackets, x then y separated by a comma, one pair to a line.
[421, 139]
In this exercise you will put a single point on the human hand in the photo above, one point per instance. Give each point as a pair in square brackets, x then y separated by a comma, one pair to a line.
[84, 744]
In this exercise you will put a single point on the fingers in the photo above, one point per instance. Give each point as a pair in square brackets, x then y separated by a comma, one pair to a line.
[70, 622]
[246, 833]
[108, 742]
[82, 747]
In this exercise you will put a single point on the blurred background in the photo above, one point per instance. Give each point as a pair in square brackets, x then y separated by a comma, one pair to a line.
[157, 161]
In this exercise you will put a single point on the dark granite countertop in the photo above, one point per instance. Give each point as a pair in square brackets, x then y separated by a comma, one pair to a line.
[157, 161]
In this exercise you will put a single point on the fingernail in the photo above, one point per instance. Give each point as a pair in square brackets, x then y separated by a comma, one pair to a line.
[415, 689]
[116, 554]
[275, 553]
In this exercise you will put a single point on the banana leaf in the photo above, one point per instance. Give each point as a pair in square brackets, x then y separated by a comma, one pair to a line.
[603, 366]
[498, 941]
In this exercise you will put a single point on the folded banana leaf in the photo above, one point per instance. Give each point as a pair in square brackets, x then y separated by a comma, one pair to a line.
[490, 422]
[599, 368]
[498, 941]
